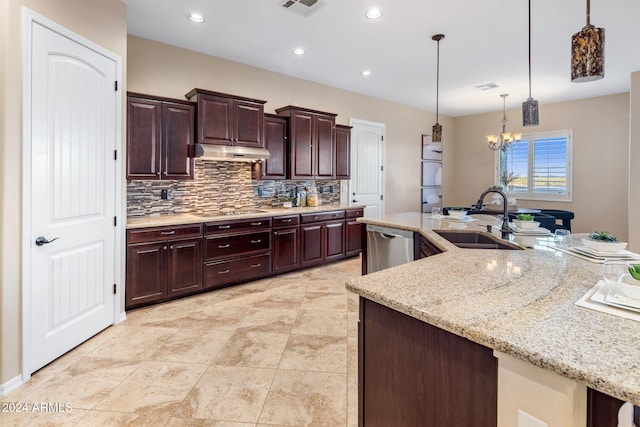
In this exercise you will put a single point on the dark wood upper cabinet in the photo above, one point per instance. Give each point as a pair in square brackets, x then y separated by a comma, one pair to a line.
[160, 133]
[275, 141]
[311, 142]
[225, 119]
[343, 152]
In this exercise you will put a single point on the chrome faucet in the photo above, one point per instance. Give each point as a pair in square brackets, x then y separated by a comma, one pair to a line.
[505, 230]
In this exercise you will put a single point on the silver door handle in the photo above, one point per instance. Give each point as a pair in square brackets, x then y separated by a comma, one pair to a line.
[40, 241]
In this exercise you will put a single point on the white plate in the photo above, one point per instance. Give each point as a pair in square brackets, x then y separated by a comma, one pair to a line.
[624, 254]
[540, 231]
[601, 246]
[458, 219]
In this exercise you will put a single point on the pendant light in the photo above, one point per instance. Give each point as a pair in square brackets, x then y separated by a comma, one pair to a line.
[530, 114]
[587, 52]
[436, 134]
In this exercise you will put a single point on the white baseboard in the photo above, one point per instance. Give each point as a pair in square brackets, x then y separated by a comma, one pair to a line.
[10, 386]
[123, 317]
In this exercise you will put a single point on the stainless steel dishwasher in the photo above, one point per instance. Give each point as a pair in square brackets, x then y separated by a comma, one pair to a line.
[388, 247]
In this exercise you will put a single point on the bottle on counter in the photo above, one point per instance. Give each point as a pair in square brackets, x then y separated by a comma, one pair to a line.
[303, 197]
[295, 198]
[312, 196]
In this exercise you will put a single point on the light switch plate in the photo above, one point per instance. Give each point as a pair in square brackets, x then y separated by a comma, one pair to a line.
[528, 420]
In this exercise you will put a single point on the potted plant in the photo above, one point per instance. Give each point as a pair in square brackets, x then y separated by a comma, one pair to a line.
[286, 202]
[457, 211]
[506, 179]
[603, 241]
[525, 222]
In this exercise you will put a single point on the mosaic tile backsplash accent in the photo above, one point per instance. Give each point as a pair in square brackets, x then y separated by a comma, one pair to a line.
[217, 187]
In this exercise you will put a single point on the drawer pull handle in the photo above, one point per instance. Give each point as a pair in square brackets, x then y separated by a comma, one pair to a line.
[168, 233]
[256, 223]
[287, 220]
[256, 265]
[164, 248]
[315, 217]
[171, 247]
[224, 246]
[223, 271]
[256, 241]
[223, 227]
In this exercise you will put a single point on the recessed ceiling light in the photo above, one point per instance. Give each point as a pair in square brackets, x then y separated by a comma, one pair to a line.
[298, 51]
[366, 73]
[374, 14]
[195, 17]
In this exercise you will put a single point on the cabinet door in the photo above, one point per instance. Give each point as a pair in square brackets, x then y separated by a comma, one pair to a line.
[334, 240]
[177, 140]
[301, 149]
[325, 146]
[275, 138]
[343, 152]
[215, 120]
[311, 244]
[144, 117]
[354, 232]
[146, 274]
[248, 124]
[286, 249]
[184, 262]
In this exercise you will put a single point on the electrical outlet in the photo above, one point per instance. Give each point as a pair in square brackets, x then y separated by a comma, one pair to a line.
[260, 191]
[164, 194]
[528, 420]
[321, 189]
[331, 189]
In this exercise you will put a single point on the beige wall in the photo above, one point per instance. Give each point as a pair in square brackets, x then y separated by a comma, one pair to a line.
[600, 165]
[634, 162]
[159, 69]
[101, 21]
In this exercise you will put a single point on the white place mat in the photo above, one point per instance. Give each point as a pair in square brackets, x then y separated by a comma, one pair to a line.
[595, 299]
[592, 258]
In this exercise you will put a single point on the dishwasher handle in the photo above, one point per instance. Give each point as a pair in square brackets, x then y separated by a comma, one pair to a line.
[389, 236]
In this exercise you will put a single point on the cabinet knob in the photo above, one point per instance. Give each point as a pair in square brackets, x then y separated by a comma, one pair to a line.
[164, 248]
[171, 247]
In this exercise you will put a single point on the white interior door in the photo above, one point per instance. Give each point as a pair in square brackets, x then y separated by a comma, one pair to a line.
[70, 136]
[367, 170]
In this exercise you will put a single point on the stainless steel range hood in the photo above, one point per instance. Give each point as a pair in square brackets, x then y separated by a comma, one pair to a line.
[230, 153]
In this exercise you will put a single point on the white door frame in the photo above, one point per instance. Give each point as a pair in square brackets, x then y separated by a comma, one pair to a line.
[354, 121]
[29, 17]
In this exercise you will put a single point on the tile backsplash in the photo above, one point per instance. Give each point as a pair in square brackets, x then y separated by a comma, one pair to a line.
[218, 186]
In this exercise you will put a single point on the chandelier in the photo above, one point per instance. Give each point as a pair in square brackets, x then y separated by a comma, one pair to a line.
[504, 140]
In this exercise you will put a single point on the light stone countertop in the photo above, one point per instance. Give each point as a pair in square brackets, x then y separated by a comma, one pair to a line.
[191, 218]
[517, 302]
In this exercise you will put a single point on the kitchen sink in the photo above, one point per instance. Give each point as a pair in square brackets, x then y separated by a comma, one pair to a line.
[476, 240]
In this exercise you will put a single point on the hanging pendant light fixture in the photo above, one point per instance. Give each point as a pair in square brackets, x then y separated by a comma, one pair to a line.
[436, 134]
[530, 114]
[504, 140]
[587, 52]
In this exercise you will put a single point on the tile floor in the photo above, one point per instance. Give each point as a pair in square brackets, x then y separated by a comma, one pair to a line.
[275, 352]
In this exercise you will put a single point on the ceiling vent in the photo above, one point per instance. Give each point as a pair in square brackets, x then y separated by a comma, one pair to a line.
[303, 7]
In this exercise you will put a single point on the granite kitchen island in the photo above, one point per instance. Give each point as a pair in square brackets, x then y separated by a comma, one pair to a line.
[516, 303]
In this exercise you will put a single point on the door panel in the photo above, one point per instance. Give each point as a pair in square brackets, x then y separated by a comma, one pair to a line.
[326, 146]
[311, 243]
[249, 121]
[72, 194]
[366, 168]
[184, 266]
[144, 117]
[215, 120]
[301, 149]
[335, 237]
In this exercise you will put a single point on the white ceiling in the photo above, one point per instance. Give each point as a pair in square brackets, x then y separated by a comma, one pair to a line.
[485, 42]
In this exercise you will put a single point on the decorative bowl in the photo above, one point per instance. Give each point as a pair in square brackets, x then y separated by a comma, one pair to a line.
[526, 225]
[602, 246]
[457, 214]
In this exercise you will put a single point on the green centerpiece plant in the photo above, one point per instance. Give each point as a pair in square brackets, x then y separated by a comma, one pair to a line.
[525, 217]
[634, 270]
[603, 236]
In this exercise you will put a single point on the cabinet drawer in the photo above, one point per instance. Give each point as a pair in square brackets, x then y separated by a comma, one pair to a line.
[355, 213]
[284, 221]
[156, 234]
[226, 226]
[229, 245]
[221, 273]
[322, 216]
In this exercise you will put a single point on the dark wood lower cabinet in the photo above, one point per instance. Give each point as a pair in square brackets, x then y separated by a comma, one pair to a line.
[286, 249]
[602, 410]
[322, 242]
[159, 268]
[414, 374]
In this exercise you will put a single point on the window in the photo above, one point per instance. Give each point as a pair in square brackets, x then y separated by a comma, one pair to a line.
[543, 163]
